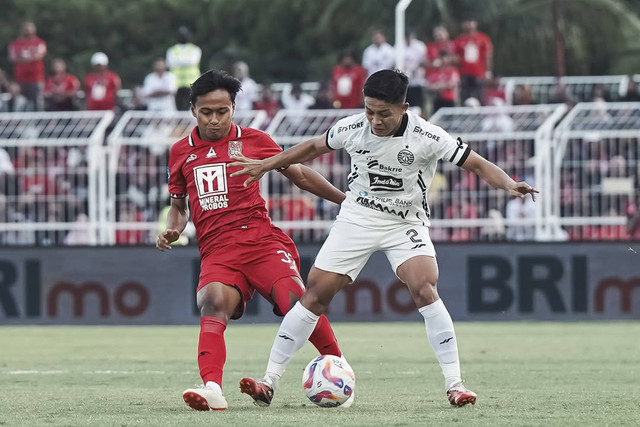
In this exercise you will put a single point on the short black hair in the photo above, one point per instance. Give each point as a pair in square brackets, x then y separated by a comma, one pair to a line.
[212, 80]
[388, 86]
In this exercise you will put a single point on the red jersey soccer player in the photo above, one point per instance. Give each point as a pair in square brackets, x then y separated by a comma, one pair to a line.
[240, 250]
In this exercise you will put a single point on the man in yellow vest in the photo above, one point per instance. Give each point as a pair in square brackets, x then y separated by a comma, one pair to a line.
[183, 59]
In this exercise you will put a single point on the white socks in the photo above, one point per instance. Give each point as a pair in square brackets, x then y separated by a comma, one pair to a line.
[295, 329]
[442, 338]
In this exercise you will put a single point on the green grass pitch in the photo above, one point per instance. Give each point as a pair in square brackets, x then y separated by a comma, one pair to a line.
[525, 374]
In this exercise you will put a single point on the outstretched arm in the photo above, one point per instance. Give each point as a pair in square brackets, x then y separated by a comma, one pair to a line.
[298, 154]
[310, 180]
[176, 222]
[496, 177]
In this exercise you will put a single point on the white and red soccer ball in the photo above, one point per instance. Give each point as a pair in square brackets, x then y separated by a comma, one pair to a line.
[328, 381]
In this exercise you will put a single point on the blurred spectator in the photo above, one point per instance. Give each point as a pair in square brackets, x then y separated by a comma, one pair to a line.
[324, 100]
[522, 95]
[415, 58]
[379, 55]
[16, 102]
[493, 90]
[4, 82]
[598, 94]
[27, 53]
[101, 85]
[268, 103]
[561, 94]
[296, 99]
[632, 94]
[441, 43]
[81, 235]
[475, 53]
[498, 120]
[249, 92]
[159, 88]
[183, 59]
[443, 82]
[347, 82]
[495, 230]
[633, 219]
[61, 88]
[520, 210]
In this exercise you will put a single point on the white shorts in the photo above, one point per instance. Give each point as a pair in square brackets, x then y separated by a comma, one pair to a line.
[349, 246]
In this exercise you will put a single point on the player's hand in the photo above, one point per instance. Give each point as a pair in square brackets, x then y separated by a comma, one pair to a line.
[252, 167]
[521, 189]
[164, 240]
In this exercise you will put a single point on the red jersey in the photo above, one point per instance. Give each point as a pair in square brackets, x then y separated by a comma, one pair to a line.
[445, 75]
[221, 206]
[31, 71]
[347, 85]
[65, 84]
[101, 90]
[473, 51]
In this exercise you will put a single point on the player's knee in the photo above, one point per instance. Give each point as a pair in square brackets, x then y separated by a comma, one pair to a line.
[424, 293]
[315, 302]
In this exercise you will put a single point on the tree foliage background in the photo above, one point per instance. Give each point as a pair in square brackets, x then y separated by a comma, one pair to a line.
[285, 40]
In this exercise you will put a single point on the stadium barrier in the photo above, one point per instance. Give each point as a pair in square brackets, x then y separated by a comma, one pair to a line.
[481, 282]
[49, 166]
[596, 173]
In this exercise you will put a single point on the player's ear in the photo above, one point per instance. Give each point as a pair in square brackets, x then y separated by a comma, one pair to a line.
[193, 110]
[405, 107]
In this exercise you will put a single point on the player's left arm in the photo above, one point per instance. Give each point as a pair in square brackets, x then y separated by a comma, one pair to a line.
[310, 180]
[496, 177]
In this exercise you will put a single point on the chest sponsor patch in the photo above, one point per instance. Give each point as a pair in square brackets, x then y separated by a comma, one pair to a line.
[384, 183]
[211, 183]
[235, 148]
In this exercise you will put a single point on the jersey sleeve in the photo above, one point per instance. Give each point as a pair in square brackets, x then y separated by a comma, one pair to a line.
[452, 150]
[177, 182]
[337, 135]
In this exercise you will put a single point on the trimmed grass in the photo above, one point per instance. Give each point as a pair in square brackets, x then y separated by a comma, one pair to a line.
[525, 374]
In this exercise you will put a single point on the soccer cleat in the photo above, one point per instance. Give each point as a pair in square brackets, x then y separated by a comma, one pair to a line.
[459, 395]
[260, 392]
[204, 399]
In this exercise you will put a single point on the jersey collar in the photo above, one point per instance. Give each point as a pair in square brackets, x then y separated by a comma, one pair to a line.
[403, 125]
[194, 139]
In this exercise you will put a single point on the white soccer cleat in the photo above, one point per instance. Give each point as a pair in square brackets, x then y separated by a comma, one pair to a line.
[204, 399]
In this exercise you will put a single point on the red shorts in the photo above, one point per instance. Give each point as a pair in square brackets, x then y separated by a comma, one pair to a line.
[251, 267]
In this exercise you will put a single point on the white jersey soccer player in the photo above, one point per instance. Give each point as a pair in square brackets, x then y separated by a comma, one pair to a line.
[394, 154]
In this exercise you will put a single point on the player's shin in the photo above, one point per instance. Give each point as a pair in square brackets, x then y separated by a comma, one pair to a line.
[296, 328]
[442, 338]
[212, 353]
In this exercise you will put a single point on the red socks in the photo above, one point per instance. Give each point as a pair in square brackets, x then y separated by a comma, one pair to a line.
[323, 338]
[212, 352]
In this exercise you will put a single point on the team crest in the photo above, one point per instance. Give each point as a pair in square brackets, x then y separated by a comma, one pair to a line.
[405, 157]
[235, 148]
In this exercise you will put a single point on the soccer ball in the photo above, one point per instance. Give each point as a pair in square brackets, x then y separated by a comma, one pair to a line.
[328, 381]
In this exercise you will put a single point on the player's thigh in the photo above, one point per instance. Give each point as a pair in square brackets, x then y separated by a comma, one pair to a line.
[420, 274]
[221, 288]
[219, 300]
[347, 249]
[404, 242]
[322, 286]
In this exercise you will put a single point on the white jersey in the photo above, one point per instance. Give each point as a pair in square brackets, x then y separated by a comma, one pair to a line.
[390, 175]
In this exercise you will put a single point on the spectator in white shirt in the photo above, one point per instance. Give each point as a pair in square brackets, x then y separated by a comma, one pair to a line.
[379, 55]
[415, 57]
[249, 92]
[159, 88]
[296, 99]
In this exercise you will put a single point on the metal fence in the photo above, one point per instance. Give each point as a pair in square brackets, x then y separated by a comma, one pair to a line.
[48, 175]
[596, 171]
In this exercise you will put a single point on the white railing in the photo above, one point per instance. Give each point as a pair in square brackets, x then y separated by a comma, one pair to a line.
[49, 176]
[596, 170]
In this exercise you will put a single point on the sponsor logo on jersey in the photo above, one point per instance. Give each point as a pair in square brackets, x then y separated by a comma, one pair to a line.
[235, 148]
[405, 157]
[351, 126]
[384, 183]
[368, 203]
[389, 169]
[211, 154]
[426, 133]
[211, 183]
[191, 158]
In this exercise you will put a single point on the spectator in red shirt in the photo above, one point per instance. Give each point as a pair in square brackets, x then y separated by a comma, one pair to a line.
[475, 53]
[27, 53]
[268, 103]
[101, 86]
[441, 43]
[347, 82]
[60, 88]
[443, 82]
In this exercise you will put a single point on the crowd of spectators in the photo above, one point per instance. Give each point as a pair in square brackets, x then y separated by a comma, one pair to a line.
[443, 72]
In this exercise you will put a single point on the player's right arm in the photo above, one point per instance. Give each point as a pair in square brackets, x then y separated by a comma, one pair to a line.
[176, 223]
[300, 153]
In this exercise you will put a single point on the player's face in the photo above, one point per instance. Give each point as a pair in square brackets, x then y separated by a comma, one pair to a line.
[385, 118]
[213, 111]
